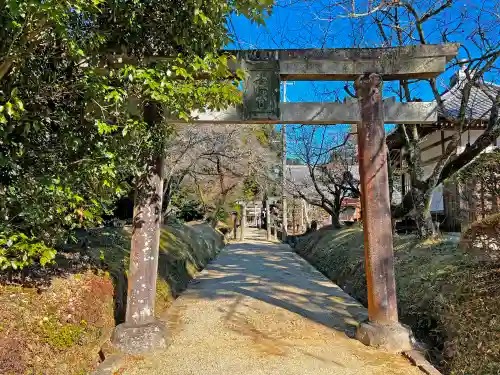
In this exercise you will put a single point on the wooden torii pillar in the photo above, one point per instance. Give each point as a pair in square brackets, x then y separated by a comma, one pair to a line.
[243, 222]
[383, 330]
[368, 67]
[268, 220]
[142, 332]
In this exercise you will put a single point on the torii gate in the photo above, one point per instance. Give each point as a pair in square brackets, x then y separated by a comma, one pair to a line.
[368, 67]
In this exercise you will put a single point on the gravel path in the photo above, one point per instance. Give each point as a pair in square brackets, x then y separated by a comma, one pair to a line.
[261, 309]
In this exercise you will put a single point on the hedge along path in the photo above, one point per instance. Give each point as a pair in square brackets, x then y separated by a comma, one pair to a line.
[261, 309]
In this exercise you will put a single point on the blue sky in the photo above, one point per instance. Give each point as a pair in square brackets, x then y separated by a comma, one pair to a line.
[321, 24]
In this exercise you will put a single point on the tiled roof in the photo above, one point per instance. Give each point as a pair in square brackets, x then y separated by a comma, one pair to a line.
[478, 107]
[299, 174]
[479, 104]
[298, 178]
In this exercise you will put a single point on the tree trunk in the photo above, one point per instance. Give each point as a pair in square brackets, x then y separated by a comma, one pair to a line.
[222, 197]
[306, 216]
[423, 218]
[336, 219]
[390, 175]
[337, 207]
[167, 196]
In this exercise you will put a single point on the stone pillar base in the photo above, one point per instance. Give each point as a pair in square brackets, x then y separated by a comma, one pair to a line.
[139, 338]
[393, 338]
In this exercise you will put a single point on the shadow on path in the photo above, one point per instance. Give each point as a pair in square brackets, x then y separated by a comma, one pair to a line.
[260, 309]
[274, 274]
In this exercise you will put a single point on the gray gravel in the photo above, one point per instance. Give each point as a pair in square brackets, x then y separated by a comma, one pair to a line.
[261, 309]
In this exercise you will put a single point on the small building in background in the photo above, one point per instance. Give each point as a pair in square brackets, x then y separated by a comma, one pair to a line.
[450, 206]
[351, 211]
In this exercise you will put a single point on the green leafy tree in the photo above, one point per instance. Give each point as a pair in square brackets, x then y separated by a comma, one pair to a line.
[75, 77]
[251, 188]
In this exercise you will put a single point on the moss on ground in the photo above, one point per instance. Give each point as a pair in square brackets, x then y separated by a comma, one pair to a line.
[62, 336]
[59, 328]
[448, 296]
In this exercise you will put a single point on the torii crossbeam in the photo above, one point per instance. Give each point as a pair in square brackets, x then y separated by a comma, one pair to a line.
[310, 113]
